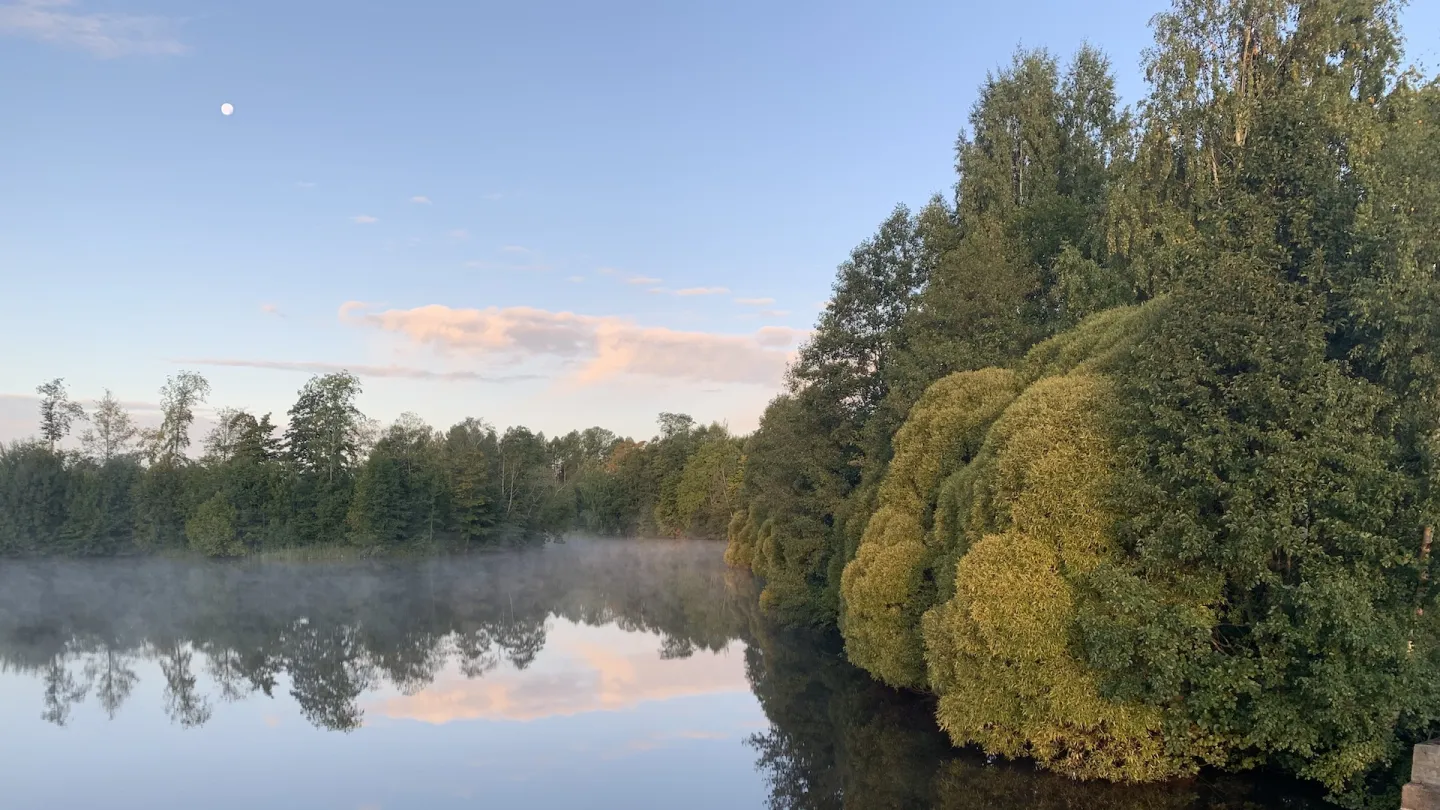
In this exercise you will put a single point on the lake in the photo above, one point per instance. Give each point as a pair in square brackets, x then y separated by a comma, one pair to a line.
[588, 674]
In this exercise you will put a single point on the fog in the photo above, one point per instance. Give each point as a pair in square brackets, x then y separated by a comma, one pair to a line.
[445, 640]
[340, 629]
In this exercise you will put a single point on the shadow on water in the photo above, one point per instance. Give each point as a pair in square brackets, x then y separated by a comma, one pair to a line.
[333, 631]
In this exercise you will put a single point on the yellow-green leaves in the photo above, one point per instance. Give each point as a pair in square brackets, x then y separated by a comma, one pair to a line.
[886, 587]
[1000, 652]
[998, 502]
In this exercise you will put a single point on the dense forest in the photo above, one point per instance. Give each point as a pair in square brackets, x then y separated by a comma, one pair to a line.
[334, 479]
[1127, 450]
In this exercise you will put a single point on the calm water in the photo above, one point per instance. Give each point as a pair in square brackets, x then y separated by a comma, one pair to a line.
[625, 674]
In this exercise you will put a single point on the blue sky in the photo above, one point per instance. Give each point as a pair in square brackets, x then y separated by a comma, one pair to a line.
[487, 208]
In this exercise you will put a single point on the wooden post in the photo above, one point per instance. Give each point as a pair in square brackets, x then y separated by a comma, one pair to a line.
[1423, 792]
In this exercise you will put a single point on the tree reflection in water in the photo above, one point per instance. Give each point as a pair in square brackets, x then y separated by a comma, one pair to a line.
[339, 630]
[335, 631]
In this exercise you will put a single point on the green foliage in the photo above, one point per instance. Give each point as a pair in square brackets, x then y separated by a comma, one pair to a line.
[57, 412]
[32, 498]
[211, 530]
[1195, 536]
[1265, 482]
[889, 584]
[465, 456]
[100, 507]
[178, 399]
[333, 480]
[792, 488]
[323, 446]
[707, 492]
[968, 577]
[164, 497]
[999, 652]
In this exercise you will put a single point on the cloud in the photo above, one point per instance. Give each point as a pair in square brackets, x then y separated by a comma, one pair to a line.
[494, 195]
[776, 313]
[460, 233]
[776, 336]
[576, 279]
[106, 35]
[304, 184]
[657, 290]
[354, 306]
[364, 219]
[515, 249]
[642, 280]
[607, 271]
[402, 372]
[420, 199]
[602, 347]
[272, 309]
[703, 291]
[755, 302]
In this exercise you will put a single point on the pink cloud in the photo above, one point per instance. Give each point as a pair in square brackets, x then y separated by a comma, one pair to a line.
[358, 369]
[601, 347]
[780, 335]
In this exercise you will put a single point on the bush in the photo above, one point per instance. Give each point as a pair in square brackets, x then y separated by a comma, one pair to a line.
[889, 584]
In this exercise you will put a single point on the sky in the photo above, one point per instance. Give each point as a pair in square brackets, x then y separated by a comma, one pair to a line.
[555, 214]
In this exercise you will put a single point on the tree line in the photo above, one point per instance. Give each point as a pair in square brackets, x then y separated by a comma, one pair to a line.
[334, 478]
[1126, 450]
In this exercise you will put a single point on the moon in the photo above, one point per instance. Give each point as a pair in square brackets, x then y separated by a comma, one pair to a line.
[227, 108]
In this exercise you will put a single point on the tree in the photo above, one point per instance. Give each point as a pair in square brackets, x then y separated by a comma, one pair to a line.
[707, 493]
[325, 433]
[221, 440]
[1275, 434]
[522, 471]
[178, 398]
[112, 432]
[323, 443]
[466, 454]
[211, 530]
[57, 412]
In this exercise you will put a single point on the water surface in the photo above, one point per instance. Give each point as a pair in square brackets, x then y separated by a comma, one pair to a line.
[593, 674]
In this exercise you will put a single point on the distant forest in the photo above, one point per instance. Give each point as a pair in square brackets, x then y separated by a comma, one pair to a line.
[1127, 450]
[334, 478]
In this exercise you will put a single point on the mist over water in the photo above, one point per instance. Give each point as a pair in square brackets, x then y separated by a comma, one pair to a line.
[594, 673]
